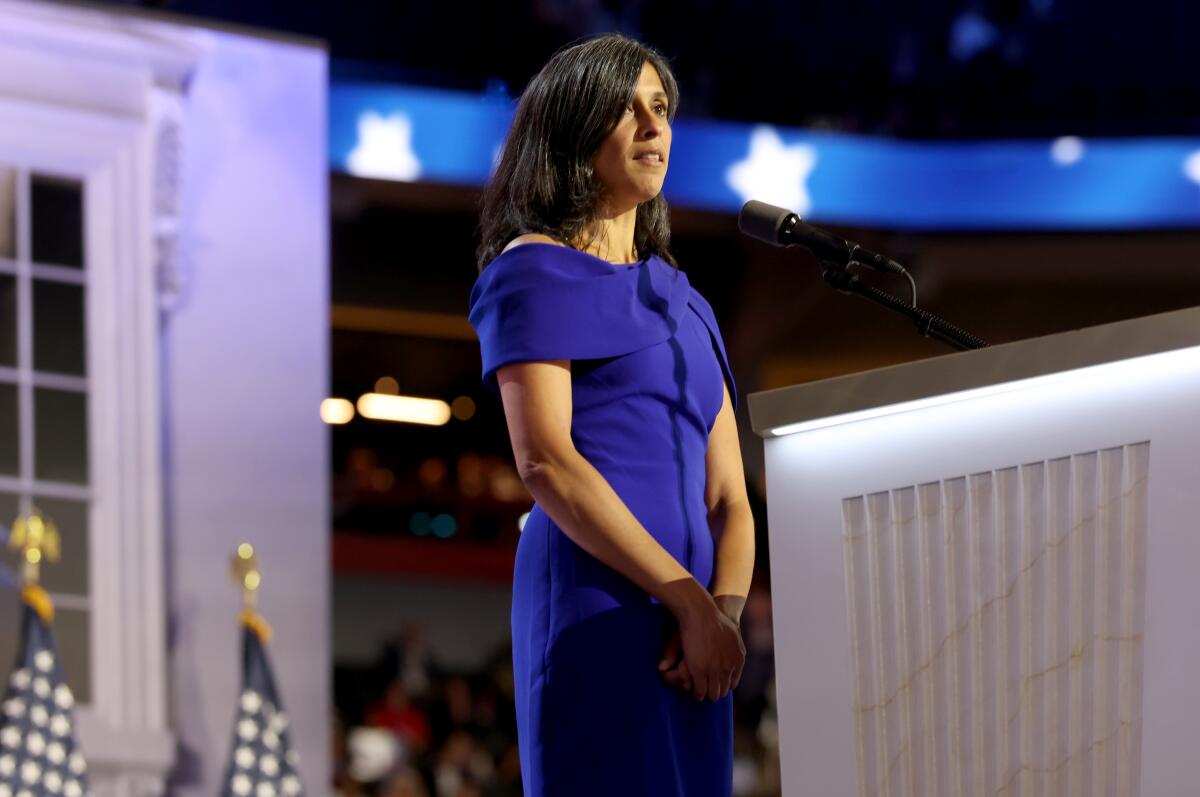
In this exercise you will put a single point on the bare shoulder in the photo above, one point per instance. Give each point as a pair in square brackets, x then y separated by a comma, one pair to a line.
[531, 238]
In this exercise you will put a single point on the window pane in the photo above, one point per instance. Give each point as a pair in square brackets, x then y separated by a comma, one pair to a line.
[10, 624]
[57, 220]
[60, 435]
[8, 559]
[72, 632]
[58, 327]
[8, 213]
[70, 574]
[10, 464]
[8, 320]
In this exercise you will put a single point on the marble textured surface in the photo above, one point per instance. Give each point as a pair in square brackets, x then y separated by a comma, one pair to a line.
[996, 629]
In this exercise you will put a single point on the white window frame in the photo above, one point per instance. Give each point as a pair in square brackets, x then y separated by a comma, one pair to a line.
[85, 100]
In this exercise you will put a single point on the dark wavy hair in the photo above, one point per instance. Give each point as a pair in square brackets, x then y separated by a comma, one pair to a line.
[544, 182]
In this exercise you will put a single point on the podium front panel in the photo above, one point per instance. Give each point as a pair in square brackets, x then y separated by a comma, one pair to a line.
[994, 595]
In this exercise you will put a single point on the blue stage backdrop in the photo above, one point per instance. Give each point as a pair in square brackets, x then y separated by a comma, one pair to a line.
[420, 134]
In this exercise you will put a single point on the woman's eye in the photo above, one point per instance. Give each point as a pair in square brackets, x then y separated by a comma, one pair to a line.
[661, 110]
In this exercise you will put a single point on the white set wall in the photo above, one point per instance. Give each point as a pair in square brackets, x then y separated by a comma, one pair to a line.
[245, 365]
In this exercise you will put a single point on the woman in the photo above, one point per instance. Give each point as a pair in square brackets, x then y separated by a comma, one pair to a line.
[634, 563]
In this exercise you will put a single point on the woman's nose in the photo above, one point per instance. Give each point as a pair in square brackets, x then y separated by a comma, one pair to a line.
[652, 129]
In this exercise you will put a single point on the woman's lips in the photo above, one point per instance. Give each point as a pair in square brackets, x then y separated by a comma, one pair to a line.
[650, 159]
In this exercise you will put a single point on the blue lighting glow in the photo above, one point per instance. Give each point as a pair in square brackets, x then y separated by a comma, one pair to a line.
[419, 524]
[406, 133]
[444, 526]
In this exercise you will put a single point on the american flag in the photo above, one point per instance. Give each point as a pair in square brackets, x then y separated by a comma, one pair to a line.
[38, 753]
[262, 762]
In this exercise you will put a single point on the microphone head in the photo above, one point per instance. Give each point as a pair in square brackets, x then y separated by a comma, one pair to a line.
[763, 222]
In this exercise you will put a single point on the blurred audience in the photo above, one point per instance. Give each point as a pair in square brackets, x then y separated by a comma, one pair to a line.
[426, 731]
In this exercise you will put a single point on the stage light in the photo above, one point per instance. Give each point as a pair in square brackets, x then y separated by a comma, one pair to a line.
[403, 409]
[336, 411]
[419, 523]
[444, 526]
[387, 385]
[463, 408]
[382, 479]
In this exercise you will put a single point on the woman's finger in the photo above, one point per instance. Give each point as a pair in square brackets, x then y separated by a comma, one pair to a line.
[685, 675]
[670, 653]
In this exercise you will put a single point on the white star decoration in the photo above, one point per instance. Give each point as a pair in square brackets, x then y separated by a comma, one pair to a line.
[384, 148]
[772, 172]
[1191, 167]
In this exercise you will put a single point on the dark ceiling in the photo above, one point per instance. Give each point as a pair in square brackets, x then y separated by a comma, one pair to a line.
[975, 68]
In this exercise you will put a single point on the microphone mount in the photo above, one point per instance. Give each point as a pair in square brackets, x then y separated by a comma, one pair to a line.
[778, 226]
[928, 324]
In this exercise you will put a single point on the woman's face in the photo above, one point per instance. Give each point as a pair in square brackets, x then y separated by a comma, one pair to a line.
[632, 162]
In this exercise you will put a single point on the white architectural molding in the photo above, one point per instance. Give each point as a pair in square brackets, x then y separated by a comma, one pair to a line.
[95, 96]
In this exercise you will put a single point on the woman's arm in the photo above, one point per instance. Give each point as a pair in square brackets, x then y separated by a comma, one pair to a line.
[729, 516]
[537, 407]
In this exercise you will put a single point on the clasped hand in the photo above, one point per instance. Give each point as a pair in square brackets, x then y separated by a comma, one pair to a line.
[704, 655]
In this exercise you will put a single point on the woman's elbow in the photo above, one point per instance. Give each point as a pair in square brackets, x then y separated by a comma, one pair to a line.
[541, 468]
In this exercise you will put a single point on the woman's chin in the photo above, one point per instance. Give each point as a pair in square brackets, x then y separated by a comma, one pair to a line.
[648, 192]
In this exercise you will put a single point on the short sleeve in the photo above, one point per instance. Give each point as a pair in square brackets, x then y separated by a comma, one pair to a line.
[542, 301]
[705, 311]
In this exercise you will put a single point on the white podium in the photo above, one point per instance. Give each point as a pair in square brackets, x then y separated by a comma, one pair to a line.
[986, 569]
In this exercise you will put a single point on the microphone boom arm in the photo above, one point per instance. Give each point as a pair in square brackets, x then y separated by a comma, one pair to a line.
[928, 324]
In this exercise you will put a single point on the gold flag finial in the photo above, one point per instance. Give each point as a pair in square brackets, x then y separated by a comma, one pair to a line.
[36, 538]
[247, 574]
[249, 577]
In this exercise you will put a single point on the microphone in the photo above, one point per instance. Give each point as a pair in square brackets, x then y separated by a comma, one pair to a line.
[781, 227]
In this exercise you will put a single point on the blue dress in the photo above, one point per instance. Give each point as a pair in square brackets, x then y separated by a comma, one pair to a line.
[594, 716]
